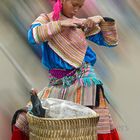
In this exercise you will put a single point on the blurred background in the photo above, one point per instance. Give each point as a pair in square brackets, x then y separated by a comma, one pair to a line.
[21, 69]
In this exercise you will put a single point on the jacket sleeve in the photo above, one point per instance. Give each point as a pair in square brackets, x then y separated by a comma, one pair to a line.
[107, 36]
[99, 40]
[42, 29]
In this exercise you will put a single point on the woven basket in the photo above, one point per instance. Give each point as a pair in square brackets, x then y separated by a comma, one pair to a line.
[64, 129]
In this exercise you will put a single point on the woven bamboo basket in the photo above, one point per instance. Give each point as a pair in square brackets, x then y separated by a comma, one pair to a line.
[64, 129]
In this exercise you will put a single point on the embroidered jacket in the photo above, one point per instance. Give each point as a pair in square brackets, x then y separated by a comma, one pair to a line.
[65, 50]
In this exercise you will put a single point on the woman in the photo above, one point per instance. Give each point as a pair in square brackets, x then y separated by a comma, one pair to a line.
[70, 61]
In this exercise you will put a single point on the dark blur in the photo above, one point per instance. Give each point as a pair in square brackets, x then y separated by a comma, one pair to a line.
[118, 67]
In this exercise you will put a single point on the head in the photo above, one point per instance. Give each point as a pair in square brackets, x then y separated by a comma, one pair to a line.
[71, 7]
[68, 8]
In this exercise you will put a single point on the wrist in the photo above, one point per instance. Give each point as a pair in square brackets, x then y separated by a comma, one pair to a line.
[96, 19]
[102, 19]
[61, 22]
[57, 26]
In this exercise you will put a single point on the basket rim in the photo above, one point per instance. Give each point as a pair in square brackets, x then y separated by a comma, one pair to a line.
[52, 119]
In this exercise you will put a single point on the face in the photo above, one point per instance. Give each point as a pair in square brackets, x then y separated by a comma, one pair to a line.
[71, 7]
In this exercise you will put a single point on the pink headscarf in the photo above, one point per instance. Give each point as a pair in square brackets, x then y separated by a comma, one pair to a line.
[57, 9]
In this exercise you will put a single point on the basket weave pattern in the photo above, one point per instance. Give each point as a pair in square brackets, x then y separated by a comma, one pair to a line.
[64, 129]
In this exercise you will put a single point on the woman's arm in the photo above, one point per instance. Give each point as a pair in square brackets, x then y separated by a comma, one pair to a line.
[107, 33]
[42, 29]
[99, 40]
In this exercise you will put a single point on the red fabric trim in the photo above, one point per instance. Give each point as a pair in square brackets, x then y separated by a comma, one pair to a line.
[110, 136]
[18, 135]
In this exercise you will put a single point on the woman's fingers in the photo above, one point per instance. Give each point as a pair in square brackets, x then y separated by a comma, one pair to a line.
[68, 23]
[73, 25]
[89, 24]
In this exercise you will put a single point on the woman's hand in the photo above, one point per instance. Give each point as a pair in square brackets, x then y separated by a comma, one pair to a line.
[71, 23]
[97, 19]
[67, 23]
[90, 23]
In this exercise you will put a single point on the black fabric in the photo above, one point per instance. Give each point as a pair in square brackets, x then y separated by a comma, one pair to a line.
[97, 95]
[37, 109]
[108, 19]
[98, 88]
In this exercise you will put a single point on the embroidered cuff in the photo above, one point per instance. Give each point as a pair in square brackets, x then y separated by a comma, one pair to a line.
[54, 27]
[22, 123]
[94, 31]
[108, 28]
[46, 31]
